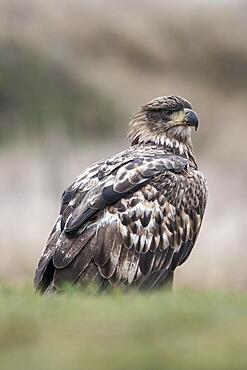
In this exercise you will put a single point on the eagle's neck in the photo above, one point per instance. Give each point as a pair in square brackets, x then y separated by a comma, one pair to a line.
[174, 146]
[171, 146]
[179, 148]
[176, 141]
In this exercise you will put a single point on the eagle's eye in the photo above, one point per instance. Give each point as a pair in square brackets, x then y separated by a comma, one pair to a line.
[168, 112]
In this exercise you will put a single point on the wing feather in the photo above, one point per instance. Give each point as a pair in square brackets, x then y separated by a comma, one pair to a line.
[103, 243]
[41, 279]
[68, 248]
[71, 272]
[109, 268]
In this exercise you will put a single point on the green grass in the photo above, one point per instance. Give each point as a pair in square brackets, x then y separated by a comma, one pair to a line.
[182, 330]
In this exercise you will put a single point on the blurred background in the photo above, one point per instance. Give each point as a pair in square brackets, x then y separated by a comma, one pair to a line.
[71, 74]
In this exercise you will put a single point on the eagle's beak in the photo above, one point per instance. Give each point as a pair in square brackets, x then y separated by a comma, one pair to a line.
[190, 118]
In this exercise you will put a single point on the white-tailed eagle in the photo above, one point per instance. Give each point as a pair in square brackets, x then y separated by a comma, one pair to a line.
[132, 219]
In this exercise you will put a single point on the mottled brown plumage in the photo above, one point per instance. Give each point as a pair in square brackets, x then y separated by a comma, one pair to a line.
[132, 219]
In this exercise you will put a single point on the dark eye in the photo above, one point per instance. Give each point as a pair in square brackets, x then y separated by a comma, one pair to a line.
[168, 112]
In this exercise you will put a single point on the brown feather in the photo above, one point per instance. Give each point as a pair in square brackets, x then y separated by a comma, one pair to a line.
[108, 269]
[71, 272]
[69, 248]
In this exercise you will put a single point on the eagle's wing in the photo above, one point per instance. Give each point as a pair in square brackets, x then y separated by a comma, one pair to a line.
[70, 199]
[126, 179]
[129, 219]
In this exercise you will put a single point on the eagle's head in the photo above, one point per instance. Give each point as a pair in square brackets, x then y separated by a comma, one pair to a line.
[165, 117]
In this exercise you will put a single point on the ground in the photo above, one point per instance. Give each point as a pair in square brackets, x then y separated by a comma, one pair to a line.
[179, 330]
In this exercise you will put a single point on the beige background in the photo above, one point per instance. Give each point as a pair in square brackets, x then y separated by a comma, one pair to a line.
[127, 52]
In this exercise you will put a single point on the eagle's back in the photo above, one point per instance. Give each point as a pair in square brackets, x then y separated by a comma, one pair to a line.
[129, 220]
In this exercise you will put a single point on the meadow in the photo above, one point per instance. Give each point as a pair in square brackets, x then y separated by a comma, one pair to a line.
[183, 330]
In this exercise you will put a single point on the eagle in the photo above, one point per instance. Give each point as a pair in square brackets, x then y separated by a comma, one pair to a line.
[130, 220]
